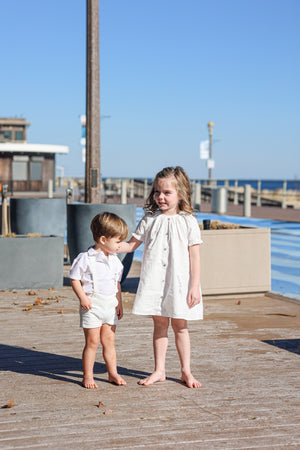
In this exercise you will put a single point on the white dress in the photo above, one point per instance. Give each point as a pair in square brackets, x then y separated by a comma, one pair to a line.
[165, 271]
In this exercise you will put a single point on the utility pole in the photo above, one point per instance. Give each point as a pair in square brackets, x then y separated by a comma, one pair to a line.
[92, 165]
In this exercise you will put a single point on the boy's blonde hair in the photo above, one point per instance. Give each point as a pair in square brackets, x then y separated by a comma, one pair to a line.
[183, 187]
[109, 225]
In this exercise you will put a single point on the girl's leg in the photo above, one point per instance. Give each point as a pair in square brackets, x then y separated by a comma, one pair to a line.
[182, 341]
[107, 336]
[160, 344]
[88, 356]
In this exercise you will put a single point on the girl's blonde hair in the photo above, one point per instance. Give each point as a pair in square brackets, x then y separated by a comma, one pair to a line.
[183, 187]
[109, 225]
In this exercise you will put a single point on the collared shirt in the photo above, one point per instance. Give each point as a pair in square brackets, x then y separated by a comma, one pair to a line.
[109, 271]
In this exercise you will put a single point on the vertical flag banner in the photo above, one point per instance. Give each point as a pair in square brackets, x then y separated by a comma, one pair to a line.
[83, 135]
[204, 149]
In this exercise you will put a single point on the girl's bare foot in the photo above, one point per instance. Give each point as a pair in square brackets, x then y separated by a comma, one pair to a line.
[116, 379]
[89, 383]
[190, 381]
[153, 378]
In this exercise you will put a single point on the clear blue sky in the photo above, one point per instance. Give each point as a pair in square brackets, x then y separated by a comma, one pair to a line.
[168, 67]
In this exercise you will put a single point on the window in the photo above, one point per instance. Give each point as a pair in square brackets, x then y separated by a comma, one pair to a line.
[19, 170]
[7, 135]
[35, 171]
[19, 135]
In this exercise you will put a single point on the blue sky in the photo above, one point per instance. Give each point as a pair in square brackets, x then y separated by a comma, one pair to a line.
[168, 67]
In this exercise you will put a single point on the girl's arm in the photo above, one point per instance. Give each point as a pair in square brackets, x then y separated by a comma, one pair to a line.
[85, 302]
[194, 296]
[130, 246]
[119, 308]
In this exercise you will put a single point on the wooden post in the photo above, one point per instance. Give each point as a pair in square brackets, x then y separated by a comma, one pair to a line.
[92, 166]
[258, 200]
[4, 224]
[283, 203]
[236, 196]
[145, 188]
[247, 200]
[123, 192]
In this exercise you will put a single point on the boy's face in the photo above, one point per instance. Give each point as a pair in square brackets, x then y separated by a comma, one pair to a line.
[109, 245]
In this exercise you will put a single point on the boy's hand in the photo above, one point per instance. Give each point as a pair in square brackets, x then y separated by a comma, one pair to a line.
[194, 297]
[85, 303]
[119, 310]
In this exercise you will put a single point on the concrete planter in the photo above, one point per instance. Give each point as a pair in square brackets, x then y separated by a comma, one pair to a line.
[47, 216]
[31, 262]
[236, 261]
[79, 235]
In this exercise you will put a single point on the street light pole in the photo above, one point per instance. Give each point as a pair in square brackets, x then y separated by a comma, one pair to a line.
[92, 165]
[210, 133]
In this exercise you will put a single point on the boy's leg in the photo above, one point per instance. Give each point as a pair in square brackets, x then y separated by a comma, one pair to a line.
[107, 336]
[160, 345]
[92, 336]
[182, 341]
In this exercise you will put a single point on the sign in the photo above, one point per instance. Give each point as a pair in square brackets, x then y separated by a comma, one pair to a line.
[204, 150]
[210, 164]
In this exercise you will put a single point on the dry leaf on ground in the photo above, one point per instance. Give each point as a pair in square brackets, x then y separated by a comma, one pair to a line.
[27, 308]
[9, 404]
[31, 293]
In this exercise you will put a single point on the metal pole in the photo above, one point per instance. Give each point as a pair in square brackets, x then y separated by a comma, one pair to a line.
[92, 166]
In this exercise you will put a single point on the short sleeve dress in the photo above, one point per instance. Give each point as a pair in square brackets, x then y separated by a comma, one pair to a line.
[165, 271]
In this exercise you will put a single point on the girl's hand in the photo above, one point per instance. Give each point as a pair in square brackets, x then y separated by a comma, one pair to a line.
[194, 297]
[119, 310]
[85, 303]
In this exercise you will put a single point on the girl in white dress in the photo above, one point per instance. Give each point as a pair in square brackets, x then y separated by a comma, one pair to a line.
[169, 286]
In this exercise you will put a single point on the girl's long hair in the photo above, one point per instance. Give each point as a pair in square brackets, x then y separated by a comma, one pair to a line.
[183, 187]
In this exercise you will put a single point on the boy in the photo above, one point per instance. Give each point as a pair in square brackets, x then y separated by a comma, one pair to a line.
[95, 277]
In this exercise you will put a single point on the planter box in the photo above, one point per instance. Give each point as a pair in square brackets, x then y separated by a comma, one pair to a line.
[31, 262]
[79, 235]
[236, 261]
[47, 216]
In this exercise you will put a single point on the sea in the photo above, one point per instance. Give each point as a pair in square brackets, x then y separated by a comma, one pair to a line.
[285, 249]
[271, 185]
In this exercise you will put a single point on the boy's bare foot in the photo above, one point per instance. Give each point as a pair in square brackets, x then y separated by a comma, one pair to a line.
[190, 381]
[89, 383]
[153, 378]
[116, 379]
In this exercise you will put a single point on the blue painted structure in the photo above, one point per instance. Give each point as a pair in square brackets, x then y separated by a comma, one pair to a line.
[285, 249]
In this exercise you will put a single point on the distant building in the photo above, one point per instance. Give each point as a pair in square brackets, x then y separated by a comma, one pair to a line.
[24, 166]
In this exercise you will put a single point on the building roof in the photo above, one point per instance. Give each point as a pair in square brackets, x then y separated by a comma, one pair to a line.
[13, 147]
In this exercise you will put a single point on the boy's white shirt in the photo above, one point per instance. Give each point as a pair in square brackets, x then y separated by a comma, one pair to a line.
[109, 272]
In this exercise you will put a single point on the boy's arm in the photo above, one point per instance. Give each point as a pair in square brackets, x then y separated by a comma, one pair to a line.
[85, 302]
[119, 308]
[130, 246]
[194, 296]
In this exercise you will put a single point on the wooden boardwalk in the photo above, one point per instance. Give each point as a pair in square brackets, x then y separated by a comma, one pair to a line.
[246, 353]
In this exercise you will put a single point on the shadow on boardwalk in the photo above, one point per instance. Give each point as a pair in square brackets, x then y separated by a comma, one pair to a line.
[245, 352]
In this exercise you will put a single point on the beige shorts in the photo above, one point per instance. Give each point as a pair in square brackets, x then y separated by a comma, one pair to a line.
[103, 311]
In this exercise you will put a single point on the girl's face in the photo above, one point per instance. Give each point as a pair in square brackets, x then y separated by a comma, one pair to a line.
[166, 196]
